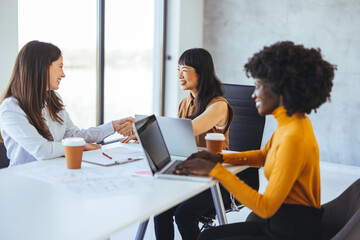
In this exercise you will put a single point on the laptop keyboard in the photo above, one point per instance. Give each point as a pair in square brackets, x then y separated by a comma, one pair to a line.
[169, 170]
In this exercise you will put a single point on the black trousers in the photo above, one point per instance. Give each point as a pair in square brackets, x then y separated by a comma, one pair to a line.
[187, 214]
[295, 222]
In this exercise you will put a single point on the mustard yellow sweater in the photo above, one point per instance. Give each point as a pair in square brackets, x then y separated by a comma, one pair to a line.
[291, 165]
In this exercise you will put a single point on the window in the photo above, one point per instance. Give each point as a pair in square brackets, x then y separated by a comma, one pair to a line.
[70, 25]
[129, 43]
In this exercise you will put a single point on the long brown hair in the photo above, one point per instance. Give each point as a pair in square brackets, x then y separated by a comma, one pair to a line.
[29, 83]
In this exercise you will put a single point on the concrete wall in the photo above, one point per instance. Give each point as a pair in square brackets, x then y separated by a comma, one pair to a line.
[8, 39]
[234, 30]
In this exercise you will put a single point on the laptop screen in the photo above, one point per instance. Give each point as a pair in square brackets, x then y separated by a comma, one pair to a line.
[152, 141]
[184, 144]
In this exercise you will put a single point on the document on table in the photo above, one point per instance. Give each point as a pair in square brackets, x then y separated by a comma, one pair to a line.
[91, 180]
[112, 156]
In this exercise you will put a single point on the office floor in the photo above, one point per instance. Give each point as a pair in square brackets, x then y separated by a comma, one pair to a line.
[334, 180]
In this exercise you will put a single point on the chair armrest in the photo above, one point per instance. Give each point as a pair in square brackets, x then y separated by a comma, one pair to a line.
[351, 230]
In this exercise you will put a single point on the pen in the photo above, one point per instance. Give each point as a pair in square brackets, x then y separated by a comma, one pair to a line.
[106, 155]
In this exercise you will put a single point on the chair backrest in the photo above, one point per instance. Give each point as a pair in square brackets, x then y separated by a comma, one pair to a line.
[245, 133]
[4, 161]
[247, 127]
[342, 214]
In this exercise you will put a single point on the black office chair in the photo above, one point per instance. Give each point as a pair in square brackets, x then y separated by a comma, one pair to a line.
[4, 161]
[246, 132]
[247, 127]
[341, 217]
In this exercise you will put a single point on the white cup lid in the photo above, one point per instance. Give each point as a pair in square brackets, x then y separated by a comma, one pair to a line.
[215, 136]
[73, 141]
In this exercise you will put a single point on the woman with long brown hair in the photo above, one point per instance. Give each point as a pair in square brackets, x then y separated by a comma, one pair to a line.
[33, 119]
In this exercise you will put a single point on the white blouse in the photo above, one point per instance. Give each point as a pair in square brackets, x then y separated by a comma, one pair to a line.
[23, 142]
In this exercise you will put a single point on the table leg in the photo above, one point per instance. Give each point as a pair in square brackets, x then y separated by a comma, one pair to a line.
[141, 230]
[218, 203]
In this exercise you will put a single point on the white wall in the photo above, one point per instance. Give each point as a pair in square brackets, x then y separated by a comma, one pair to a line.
[234, 30]
[8, 39]
[184, 31]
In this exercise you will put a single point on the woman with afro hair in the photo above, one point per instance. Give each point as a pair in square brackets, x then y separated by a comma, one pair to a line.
[290, 82]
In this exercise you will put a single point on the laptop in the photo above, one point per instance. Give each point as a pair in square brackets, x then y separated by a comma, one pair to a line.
[184, 144]
[156, 152]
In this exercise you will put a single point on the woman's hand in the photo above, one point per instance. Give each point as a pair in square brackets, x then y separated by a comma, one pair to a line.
[195, 166]
[132, 136]
[90, 146]
[212, 157]
[123, 126]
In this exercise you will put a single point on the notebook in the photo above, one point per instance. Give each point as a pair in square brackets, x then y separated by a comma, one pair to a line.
[184, 144]
[112, 156]
[156, 151]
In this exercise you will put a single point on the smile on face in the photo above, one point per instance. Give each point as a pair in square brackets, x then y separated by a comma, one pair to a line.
[265, 99]
[56, 73]
[188, 78]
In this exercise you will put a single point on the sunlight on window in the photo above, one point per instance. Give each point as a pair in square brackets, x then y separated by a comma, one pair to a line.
[129, 45]
[70, 25]
[129, 34]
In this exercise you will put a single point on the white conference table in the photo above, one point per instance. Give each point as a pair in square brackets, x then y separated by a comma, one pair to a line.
[34, 209]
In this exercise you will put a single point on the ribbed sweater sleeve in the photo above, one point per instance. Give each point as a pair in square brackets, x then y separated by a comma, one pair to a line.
[291, 165]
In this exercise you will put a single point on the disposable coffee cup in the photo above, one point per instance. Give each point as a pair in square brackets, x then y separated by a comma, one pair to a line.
[74, 148]
[214, 142]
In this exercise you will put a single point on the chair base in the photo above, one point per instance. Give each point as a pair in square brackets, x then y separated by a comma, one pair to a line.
[208, 221]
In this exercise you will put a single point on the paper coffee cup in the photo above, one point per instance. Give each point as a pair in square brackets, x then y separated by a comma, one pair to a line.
[214, 142]
[74, 148]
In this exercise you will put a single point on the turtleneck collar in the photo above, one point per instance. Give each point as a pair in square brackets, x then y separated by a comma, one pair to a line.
[281, 116]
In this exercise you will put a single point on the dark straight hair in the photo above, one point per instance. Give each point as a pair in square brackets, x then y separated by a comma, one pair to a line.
[29, 84]
[209, 86]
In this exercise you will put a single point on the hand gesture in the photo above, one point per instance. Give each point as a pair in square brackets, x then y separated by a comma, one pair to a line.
[132, 136]
[124, 126]
[211, 157]
[195, 166]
